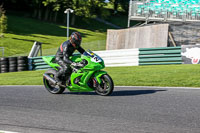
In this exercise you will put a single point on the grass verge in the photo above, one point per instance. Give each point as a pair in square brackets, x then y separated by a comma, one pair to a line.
[162, 75]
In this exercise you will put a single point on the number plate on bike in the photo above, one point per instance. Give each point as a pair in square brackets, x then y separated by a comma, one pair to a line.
[96, 59]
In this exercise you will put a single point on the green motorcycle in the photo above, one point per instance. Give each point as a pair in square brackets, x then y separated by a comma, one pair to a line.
[84, 78]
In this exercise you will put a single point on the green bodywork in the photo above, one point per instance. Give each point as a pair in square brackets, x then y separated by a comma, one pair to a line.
[93, 69]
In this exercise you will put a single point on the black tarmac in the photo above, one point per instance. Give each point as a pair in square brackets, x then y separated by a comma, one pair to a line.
[31, 109]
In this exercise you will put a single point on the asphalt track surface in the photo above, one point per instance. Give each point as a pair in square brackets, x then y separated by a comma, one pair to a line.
[31, 109]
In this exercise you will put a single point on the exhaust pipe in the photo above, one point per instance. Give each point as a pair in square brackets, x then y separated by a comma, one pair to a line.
[46, 76]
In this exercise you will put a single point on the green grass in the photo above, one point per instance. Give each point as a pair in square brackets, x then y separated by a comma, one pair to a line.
[21, 78]
[160, 75]
[22, 32]
[157, 75]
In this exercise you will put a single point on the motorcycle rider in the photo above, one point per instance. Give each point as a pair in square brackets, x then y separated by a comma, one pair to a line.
[66, 50]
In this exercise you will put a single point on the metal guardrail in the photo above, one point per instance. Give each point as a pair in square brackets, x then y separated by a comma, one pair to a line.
[37, 46]
[37, 63]
[127, 57]
[160, 56]
[112, 58]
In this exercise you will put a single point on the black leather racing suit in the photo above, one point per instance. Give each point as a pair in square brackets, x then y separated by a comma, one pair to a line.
[62, 58]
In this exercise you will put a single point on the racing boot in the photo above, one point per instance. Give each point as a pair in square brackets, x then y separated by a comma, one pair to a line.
[59, 82]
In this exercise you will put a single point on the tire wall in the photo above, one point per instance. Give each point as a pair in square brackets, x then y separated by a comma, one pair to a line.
[13, 64]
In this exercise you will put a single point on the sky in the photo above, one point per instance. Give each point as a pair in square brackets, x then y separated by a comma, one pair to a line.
[106, 1]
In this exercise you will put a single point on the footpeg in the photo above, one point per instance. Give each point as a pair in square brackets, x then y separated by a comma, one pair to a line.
[61, 85]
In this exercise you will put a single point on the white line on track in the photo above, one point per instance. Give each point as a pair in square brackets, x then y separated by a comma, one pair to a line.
[158, 87]
[1, 131]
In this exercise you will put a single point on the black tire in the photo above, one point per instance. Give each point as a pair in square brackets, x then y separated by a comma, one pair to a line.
[12, 69]
[4, 63]
[22, 68]
[4, 66]
[13, 65]
[12, 59]
[4, 71]
[54, 89]
[22, 58]
[13, 62]
[107, 86]
[3, 59]
[22, 65]
[22, 61]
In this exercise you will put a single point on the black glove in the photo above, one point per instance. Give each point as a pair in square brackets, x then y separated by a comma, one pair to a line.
[77, 64]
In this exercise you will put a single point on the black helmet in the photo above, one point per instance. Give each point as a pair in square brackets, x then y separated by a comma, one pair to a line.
[76, 38]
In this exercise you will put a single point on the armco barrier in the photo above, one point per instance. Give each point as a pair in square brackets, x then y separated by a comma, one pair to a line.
[112, 58]
[160, 56]
[37, 63]
[127, 57]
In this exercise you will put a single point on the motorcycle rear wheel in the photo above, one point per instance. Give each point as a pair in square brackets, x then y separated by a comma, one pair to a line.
[54, 89]
[107, 86]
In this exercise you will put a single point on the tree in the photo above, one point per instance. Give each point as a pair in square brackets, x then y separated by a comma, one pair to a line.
[88, 8]
[50, 9]
[37, 7]
[123, 3]
[3, 21]
[115, 5]
[51, 5]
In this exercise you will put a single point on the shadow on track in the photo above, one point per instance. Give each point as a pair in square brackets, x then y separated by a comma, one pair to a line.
[119, 92]
[134, 92]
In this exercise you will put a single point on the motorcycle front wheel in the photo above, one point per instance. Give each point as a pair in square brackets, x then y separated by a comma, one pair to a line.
[106, 87]
[54, 89]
